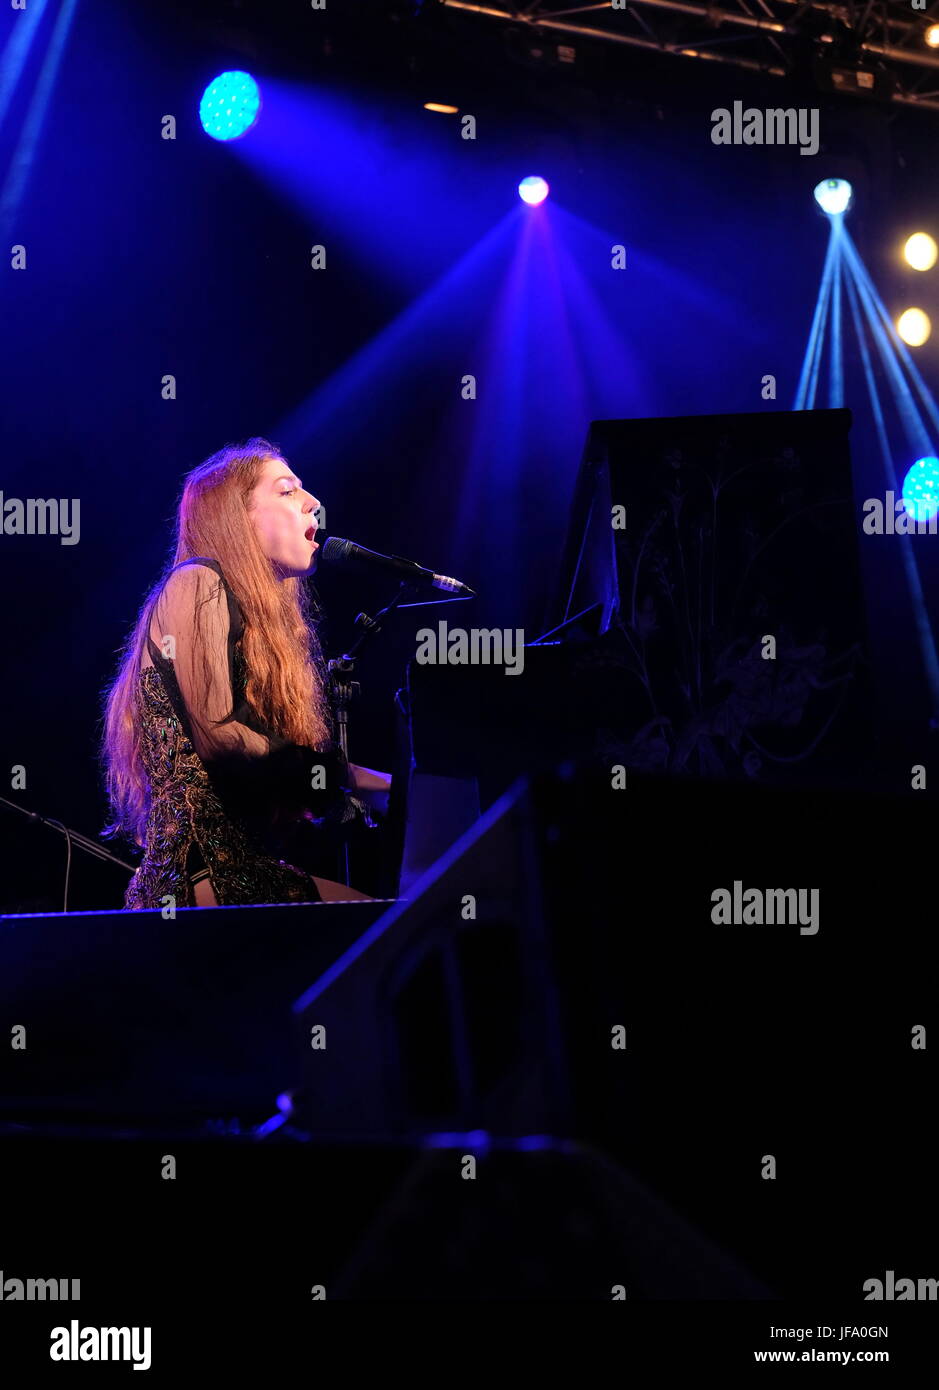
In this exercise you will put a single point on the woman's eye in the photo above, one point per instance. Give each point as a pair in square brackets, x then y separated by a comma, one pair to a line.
[288, 492]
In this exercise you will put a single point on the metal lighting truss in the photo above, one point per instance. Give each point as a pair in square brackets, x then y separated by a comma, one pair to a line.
[880, 38]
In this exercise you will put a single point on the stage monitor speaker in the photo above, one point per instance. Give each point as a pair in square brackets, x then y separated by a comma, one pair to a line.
[280, 1223]
[444, 1014]
[157, 1020]
[689, 975]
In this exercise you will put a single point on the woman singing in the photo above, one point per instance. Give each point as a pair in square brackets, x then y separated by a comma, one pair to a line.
[217, 731]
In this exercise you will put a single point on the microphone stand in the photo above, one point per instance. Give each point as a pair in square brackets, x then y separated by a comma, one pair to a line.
[345, 690]
[72, 837]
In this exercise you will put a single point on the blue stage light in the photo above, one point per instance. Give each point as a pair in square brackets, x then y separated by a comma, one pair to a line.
[230, 105]
[833, 196]
[533, 190]
[921, 489]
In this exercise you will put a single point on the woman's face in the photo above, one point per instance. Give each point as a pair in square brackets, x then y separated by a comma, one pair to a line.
[283, 516]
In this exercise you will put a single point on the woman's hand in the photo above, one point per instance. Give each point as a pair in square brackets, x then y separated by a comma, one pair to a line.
[371, 786]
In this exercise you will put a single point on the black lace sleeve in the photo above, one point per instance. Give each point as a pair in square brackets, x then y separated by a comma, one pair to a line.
[195, 626]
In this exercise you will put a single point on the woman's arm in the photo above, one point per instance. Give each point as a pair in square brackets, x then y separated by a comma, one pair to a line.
[373, 787]
[191, 626]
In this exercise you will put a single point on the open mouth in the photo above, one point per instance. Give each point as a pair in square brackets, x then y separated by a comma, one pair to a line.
[309, 533]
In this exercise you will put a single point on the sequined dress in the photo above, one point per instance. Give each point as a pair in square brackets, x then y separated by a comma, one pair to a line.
[222, 785]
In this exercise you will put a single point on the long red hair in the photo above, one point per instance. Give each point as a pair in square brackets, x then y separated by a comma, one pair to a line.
[286, 679]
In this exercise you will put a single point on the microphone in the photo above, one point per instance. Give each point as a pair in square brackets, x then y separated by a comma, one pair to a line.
[336, 551]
